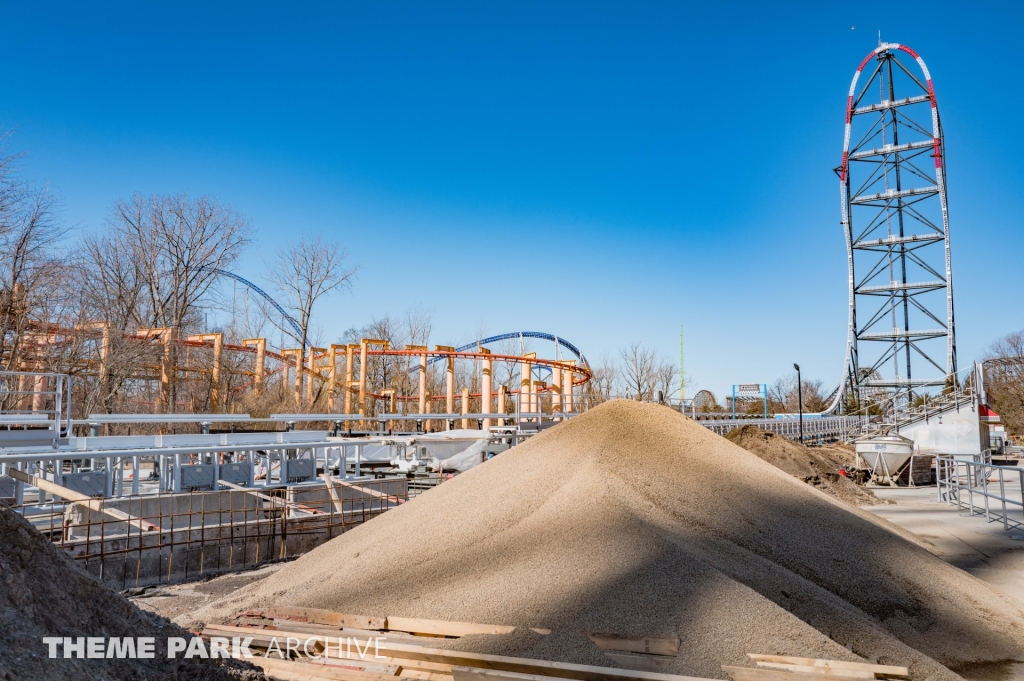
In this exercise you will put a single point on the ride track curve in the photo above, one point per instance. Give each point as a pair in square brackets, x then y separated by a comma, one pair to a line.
[433, 356]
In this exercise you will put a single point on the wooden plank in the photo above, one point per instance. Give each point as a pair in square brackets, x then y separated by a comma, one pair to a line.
[266, 638]
[360, 634]
[882, 669]
[522, 665]
[361, 666]
[636, 644]
[443, 628]
[564, 670]
[276, 501]
[408, 673]
[92, 502]
[262, 637]
[473, 674]
[641, 663]
[288, 670]
[334, 619]
[828, 671]
[420, 665]
[331, 480]
[287, 673]
[762, 674]
[339, 506]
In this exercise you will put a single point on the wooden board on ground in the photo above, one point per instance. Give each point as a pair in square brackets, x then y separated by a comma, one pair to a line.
[522, 665]
[474, 674]
[334, 619]
[881, 670]
[443, 628]
[262, 637]
[287, 670]
[763, 674]
[826, 671]
[420, 665]
[635, 644]
[641, 663]
[268, 638]
[422, 675]
[361, 634]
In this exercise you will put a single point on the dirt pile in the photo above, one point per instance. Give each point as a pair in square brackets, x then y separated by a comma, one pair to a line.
[43, 593]
[817, 466]
[631, 519]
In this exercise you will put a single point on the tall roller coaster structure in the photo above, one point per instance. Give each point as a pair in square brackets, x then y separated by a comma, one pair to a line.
[896, 225]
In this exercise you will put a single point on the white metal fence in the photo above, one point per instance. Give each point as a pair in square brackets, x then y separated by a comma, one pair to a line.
[981, 488]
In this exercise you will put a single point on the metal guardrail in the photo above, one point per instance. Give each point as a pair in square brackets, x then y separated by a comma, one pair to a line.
[981, 488]
[35, 408]
[830, 428]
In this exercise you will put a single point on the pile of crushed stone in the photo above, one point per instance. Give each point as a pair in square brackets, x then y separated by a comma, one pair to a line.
[631, 519]
[818, 467]
[44, 594]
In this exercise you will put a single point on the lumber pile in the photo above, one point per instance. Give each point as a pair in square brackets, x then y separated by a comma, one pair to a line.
[307, 644]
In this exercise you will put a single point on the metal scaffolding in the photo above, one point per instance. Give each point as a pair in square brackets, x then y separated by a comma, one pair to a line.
[894, 215]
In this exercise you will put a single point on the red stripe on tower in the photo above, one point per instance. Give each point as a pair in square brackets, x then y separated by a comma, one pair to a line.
[864, 63]
[938, 153]
[931, 91]
[849, 109]
[909, 51]
[846, 162]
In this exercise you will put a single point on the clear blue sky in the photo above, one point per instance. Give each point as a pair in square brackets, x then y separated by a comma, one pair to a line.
[601, 171]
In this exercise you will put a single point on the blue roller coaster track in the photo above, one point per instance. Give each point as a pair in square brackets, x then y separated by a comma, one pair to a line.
[263, 294]
[468, 346]
[521, 335]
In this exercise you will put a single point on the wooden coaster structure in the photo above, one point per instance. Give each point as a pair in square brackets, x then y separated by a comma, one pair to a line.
[162, 363]
[306, 644]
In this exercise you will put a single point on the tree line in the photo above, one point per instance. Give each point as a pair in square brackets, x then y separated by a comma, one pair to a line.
[70, 298]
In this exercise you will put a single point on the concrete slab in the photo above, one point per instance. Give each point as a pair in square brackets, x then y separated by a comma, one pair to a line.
[972, 543]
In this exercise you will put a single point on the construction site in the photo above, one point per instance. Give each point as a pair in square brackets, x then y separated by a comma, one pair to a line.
[485, 511]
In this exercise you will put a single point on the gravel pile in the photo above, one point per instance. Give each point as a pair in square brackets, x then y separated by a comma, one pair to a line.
[817, 466]
[632, 519]
[43, 593]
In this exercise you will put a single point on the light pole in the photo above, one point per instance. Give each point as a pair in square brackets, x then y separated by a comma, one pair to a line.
[800, 400]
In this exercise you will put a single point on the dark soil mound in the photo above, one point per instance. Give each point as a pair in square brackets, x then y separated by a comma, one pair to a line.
[43, 593]
[818, 466]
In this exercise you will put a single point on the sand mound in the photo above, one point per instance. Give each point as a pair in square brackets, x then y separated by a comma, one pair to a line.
[43, 593]
[632, 519]
[818, 467]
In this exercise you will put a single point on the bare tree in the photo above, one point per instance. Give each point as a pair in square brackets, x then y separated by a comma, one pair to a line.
[783, 395]
[1004, 380]
[33, 275]
[604, 384]
[666, 379]
[155, 266]
[159, 257]
[639, 370]
[306, 271]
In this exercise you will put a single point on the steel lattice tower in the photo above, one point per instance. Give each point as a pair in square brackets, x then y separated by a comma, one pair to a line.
[892, 184]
